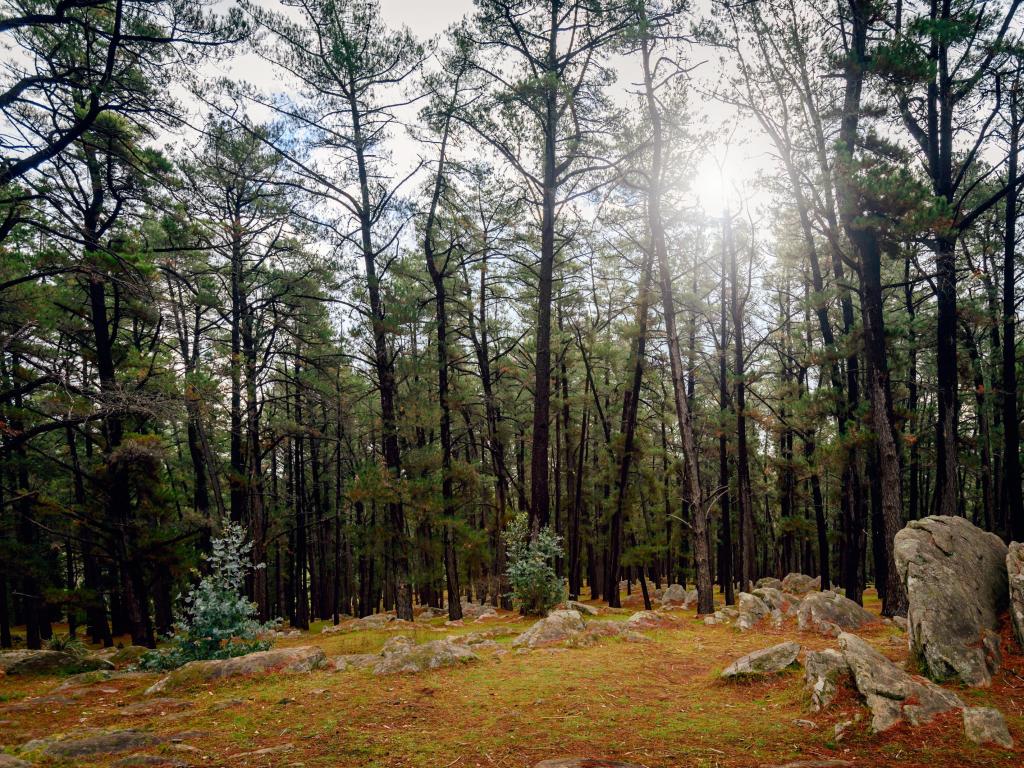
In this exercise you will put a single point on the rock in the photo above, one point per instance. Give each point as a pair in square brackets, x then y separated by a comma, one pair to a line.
[597, 630]
[85, 678]
[124, 656]
[93, 743]
[397, 644]
[49, 663]
[10, 761]
[298, 659]
[412, 658]
[822, 671]
[649, 620]
[767, 661]
[752, 610]
[800, 584]
[674, 594]
[956, 580]
[985, 725]
[556, 627]
[891, 694]
[584, 762]
[1015, 573]
[777, 600]
[827, 610]
[156, 761]
[582, 608]
[475, 611]
[767, 582]
[352, 661]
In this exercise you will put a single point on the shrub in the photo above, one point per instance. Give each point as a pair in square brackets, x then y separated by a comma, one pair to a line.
[536, 587]
[219, 622]
[66, 644]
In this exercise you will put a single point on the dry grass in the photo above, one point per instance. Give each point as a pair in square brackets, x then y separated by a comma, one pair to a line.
[659, 704]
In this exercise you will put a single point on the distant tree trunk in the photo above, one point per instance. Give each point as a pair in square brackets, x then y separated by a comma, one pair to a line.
[630, 409]
[743, 484]
[655, 223]
[1010, 417]
[725, 560]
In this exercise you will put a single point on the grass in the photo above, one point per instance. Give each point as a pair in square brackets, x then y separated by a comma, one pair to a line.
[658, 704]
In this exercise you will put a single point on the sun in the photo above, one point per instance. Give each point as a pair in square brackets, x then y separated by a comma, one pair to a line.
[716, 184]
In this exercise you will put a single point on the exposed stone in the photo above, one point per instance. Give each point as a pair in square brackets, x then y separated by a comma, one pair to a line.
[826, 611]
[299, 659]
[767, 661]
[1015, 573]
[151, 761]
[582, 608]
[956, 580]
[584, 762]
[985, 725]
[556, 627]
[85, 678]
[800, 584]
[45, 662]
[649, 620]
[93, 743]
[124, 656]
[674, 594]
[411, 658]
[783, 602]
[752, 610]
[891, 694]
[768, 582]
[349, 661]
[10, 761]
[477, 611]
[822, 672]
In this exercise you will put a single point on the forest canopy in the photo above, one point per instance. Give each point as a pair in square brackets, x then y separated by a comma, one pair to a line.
[670, 292]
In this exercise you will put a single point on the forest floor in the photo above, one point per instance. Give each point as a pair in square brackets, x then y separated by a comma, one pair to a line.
[659, 704]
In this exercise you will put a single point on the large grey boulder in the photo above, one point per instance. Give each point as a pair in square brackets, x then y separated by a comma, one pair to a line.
[822, 673]
[892, 694]
[777, 600]
[956, 580]
[767, 661]
[674, 594]
[299, 659]
[800, 584]
[767, 582]
[649, 620]
[403, 656]
[556, 627]
[583, 608]
[986, 725]
[49, 663]
[751, 610]
[1015, 574]
[830, 612]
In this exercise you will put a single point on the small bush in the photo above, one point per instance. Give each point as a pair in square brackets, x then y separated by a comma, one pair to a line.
[66, 644]
[219, 622]
[536, 587]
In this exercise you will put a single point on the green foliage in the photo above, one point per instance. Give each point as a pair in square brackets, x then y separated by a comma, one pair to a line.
[66, 644]
[219, 621]
[535, 586]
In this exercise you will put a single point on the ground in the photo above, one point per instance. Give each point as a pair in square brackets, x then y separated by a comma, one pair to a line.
[659, 704]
